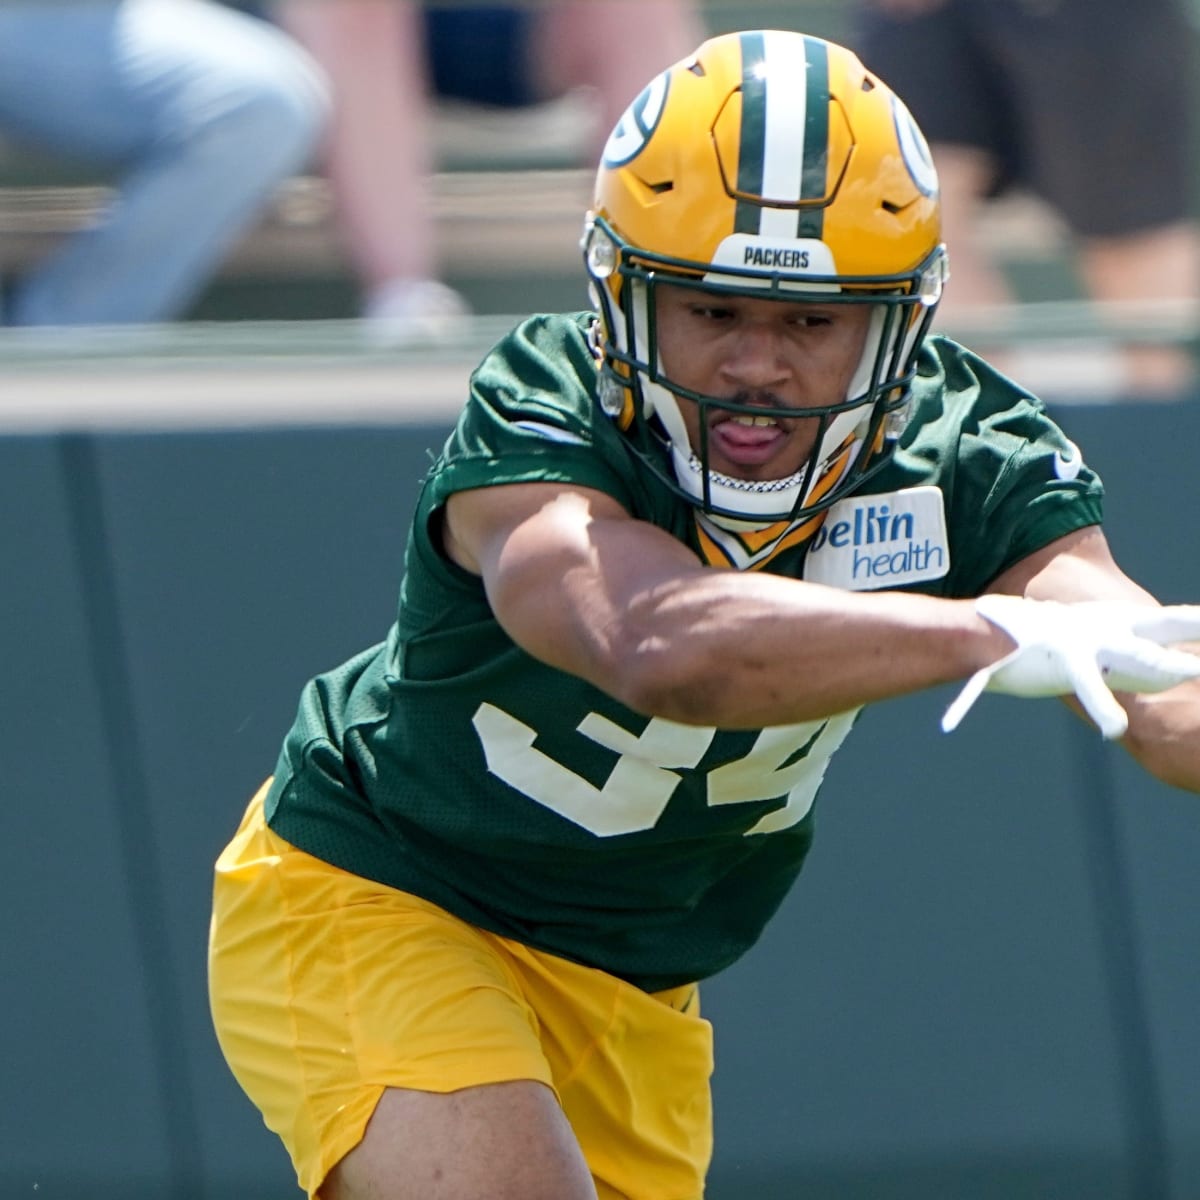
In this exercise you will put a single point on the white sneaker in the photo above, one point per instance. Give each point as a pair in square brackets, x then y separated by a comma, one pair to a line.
[402, 312]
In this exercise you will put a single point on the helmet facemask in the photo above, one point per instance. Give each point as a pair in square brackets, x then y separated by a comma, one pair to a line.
[852, 433]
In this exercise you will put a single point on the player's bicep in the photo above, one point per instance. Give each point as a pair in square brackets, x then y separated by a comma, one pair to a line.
[561, 566]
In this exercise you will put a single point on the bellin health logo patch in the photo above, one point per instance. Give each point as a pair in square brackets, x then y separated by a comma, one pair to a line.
[881, 541]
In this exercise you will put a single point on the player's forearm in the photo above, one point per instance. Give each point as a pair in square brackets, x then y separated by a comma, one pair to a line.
[744, 652]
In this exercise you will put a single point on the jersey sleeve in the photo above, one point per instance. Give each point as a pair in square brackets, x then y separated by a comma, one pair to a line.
[1019, 484]
[531, 417]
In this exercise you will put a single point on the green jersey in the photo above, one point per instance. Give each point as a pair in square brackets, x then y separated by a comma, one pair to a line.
[449, 763]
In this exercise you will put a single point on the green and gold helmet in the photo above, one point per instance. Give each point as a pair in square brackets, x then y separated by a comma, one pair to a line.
[769, 162]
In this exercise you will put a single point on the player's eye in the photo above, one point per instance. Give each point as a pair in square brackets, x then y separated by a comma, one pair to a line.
[712, 312]
[811, 320]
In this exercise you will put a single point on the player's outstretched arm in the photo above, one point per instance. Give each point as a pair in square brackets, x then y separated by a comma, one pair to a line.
[579, 583]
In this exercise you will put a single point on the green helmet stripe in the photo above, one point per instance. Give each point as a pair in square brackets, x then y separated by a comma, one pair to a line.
[753, 133]
[816, 138]
[784, 135]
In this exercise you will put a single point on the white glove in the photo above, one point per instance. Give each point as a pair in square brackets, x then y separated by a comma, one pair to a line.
[1085, 649]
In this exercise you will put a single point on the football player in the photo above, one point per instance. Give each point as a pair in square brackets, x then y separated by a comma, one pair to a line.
[670, 550]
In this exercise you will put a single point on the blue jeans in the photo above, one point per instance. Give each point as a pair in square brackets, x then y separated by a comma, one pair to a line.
[198, 111]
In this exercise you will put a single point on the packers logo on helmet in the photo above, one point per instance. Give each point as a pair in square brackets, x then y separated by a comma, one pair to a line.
[637, 124]
[768, 163]
[915, 149]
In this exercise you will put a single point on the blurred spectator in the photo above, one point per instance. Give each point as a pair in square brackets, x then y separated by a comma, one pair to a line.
[1085, 103]
[386, 58]
[199, 110]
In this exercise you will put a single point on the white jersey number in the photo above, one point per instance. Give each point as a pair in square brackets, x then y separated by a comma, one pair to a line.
[641, 783]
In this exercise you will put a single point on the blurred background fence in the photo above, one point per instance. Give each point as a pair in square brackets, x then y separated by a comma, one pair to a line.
[985, 985]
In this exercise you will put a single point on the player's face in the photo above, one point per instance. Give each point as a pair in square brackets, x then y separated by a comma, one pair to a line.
[763, 353]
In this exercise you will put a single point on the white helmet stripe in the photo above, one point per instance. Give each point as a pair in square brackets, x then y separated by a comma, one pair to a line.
[783, 140]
